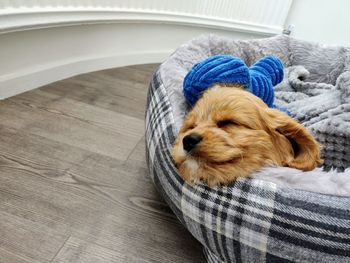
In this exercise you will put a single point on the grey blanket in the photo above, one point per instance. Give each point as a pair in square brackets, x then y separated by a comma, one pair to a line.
[316, 88]
[323, 108]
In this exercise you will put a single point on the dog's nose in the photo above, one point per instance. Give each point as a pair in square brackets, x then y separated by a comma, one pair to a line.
[190, 141]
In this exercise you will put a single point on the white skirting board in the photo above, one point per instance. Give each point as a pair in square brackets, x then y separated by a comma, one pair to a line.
[33, 58]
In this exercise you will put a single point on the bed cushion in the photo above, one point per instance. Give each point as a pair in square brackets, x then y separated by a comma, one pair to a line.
[268, 217]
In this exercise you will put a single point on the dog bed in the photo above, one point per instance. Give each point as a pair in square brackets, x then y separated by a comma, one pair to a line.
[279, 214]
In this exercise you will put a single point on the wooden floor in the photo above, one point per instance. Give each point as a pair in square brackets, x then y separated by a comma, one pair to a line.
[73, 178]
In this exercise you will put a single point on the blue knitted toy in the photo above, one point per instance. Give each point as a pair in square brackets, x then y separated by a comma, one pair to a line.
[258, 79]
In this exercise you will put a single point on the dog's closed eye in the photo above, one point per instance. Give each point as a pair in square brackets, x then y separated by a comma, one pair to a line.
[225, 123]
[191, 127]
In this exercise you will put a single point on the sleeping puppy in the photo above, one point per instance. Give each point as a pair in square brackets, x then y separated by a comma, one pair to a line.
[231, 132]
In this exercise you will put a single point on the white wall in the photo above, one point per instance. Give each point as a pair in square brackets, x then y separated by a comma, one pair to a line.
[42, 41]
[325, 21]
[33, 58]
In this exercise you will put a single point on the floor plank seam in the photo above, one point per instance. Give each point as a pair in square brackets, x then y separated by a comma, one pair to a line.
[59, 250]
[132, 151]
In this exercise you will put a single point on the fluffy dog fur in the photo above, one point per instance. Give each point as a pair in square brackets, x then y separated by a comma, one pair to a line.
[239, 135]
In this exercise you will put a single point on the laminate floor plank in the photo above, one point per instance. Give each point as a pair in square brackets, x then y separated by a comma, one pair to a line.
[8, 257]
[116, 214]
[79, 251]
[110, 133]
[123, 96]
[29, 239]
[73, 176]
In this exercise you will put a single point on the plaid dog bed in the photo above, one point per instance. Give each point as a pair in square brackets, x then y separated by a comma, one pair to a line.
[250, 220]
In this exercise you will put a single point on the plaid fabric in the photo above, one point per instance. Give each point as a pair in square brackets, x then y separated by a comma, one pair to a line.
[250, 220]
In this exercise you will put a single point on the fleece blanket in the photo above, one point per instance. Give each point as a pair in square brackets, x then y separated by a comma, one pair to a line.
[316, 90]
[323, 108]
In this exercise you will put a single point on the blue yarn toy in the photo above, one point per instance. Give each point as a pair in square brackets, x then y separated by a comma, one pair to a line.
[258, 79]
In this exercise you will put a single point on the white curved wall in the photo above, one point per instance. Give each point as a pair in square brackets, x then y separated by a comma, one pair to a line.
[43, 41]
[30, 59]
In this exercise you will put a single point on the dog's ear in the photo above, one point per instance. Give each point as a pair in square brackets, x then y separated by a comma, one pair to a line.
[306, 149]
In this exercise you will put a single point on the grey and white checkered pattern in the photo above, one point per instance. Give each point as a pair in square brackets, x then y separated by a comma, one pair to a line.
[250, 220]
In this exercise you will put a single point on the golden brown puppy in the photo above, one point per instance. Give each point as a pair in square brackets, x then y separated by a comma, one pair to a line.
[231, 132]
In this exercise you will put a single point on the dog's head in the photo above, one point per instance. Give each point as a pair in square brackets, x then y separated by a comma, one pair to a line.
[231, 132]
